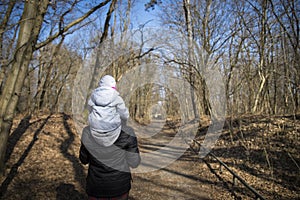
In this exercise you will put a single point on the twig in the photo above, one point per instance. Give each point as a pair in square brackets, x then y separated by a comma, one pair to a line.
[268, 161]
[293, 160]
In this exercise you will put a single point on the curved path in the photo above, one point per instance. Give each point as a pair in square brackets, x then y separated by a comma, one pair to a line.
[185, 178]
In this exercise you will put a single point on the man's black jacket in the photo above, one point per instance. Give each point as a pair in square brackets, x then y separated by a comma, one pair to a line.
[110, 176]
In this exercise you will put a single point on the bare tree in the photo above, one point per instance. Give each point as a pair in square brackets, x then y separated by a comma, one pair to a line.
[287, 15]
[30, 26]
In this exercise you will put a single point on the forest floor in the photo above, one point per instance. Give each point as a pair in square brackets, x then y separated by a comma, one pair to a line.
[42, 162]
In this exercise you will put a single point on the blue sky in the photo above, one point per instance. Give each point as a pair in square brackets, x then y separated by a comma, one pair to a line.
[140, 16]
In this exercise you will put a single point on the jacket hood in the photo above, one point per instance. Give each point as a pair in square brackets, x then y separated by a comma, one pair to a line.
[103, 95]
[107, 81]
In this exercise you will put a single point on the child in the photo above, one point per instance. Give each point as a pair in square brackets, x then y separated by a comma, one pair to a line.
[107, 109]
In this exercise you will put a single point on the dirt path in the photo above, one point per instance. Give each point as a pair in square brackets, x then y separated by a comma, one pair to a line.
[42, 163]
[185, 178]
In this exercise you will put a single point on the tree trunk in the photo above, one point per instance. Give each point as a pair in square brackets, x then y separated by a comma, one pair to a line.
[262, 63]
[46, 83]
[30, 25]
[3, 25]
[188, 17]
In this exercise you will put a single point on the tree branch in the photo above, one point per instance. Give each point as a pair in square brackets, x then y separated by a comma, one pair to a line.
[70, 25]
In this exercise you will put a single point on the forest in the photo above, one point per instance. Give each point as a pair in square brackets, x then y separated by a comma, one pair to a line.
[223, 75]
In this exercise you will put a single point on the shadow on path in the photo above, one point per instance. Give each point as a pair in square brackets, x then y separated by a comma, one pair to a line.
[68, 192]
[16, 135]
[78, 168]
